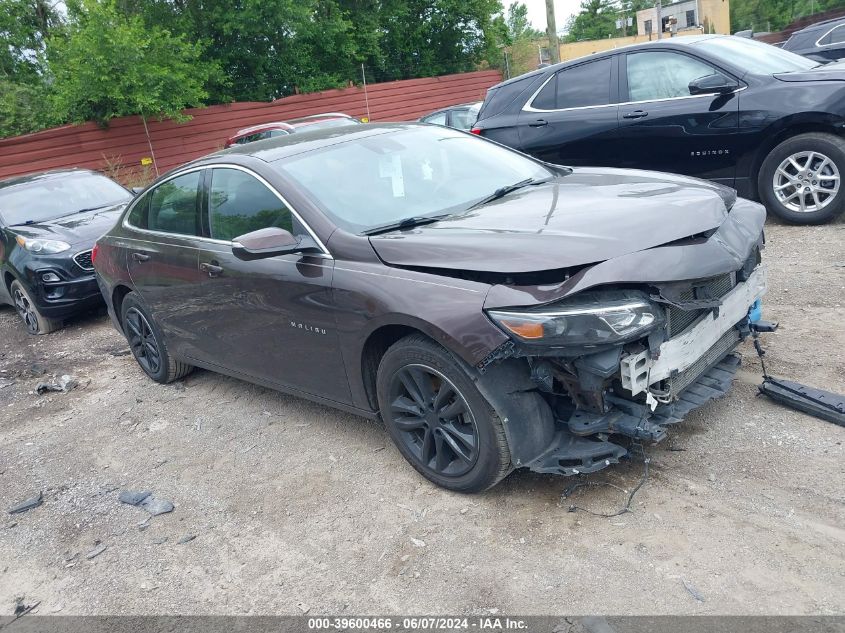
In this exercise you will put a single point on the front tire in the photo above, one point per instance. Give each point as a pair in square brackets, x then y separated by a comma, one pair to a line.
[147, 343]
[33, 320]
[438, 419]
[800, 179]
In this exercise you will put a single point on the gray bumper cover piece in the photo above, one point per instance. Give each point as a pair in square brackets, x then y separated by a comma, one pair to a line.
[822, 404]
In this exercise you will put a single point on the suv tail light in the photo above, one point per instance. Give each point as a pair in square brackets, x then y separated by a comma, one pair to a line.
[94, 252]
[476, 130]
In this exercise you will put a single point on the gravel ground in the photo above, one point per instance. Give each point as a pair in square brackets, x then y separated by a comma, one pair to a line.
[299, 508]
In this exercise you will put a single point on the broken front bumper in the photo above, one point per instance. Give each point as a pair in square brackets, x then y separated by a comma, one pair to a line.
[682, 374]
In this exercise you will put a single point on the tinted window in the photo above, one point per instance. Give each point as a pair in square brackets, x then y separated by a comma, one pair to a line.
[584, 85]
[173, 206]
[836, 36]
[48, 196]
[547, 99]
[437, 119]
[239, 204]
[662, 75]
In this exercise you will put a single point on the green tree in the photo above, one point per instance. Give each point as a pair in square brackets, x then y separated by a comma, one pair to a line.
[518, 26]
[24, 28]
[109, 65]
[596, 20]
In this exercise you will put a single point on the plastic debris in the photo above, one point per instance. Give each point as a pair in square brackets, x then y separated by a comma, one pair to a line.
[62, 385]
[28, 504]
[186, 539]
[96, 551]
[145, 499]
[695, 593]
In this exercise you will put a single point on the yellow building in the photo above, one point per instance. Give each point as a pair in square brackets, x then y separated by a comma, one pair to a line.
[688, 17]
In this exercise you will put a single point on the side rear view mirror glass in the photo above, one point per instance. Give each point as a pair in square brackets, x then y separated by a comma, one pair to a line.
[268, 242]
[715, 83]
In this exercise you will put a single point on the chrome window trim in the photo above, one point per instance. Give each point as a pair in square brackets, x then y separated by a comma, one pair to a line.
[838, 26]
[530, 108]
[324, 251]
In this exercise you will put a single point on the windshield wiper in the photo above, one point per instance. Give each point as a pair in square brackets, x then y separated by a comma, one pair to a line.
[407, 223]
[501, 192]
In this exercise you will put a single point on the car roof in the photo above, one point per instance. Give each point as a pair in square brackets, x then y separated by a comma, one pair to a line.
[673, 42]
[281, 147]
[52, 174]
[273, 125]
[313, 118]
[820, 25]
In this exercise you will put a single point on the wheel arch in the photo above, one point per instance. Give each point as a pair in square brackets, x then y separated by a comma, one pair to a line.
[790, 127]
[388, 331]
[118, 294]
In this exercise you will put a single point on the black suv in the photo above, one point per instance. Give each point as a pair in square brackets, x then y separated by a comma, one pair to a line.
[48, 224]
[823, 42]
[741, 113]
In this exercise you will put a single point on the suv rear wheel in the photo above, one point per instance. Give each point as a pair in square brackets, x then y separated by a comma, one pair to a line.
[438, 419]
[147, 343]
[800, 180]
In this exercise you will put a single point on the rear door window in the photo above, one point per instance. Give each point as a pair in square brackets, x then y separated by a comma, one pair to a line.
[173, 206]
[239, 203]
[437, 119]
[836, 36]
[582, 86]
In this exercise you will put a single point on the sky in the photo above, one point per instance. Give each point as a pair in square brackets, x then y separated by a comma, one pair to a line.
[537, 11]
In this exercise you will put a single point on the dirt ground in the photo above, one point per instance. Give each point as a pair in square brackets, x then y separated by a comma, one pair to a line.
[299, 508]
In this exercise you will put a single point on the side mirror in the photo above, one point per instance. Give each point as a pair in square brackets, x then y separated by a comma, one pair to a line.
[710, 84]
[137, 190]
[268, 242]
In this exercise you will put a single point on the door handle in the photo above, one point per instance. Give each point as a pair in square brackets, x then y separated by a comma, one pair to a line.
[213, 270]
[538, 123]
[636, 114]
[140, 257]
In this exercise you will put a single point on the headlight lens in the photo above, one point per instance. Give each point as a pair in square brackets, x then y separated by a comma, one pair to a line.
[591, 321]
[43, 247]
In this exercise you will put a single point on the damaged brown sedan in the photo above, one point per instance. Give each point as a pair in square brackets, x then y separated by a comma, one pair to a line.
[495, 311]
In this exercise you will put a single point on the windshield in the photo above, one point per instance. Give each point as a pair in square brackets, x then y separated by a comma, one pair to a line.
[369, 182]
[756, 57]
[49, 196]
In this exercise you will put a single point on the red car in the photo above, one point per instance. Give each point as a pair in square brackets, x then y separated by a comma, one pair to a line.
[282, 128]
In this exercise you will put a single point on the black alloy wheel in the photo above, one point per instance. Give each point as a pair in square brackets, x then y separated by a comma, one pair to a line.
[147, 343]
[438, 419]
[142, 341]
[434, 421]
[34, 321]
[25, 311]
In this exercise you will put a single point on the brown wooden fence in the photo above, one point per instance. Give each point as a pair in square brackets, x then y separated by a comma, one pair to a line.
[123, 143]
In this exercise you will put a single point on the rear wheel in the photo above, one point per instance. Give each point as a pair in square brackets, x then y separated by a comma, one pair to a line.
[147, 343]
[800, 179]
[438, 419]
[34, 321]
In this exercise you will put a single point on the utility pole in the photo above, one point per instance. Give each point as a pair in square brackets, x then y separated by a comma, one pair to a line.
[659, 7]
[551, 32]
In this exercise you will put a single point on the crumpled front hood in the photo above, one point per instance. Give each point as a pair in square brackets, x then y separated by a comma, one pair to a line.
[79, 229]
[586, 217]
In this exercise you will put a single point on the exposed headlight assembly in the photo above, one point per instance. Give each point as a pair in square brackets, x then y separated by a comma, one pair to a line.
[42, 247]
[591, 320]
